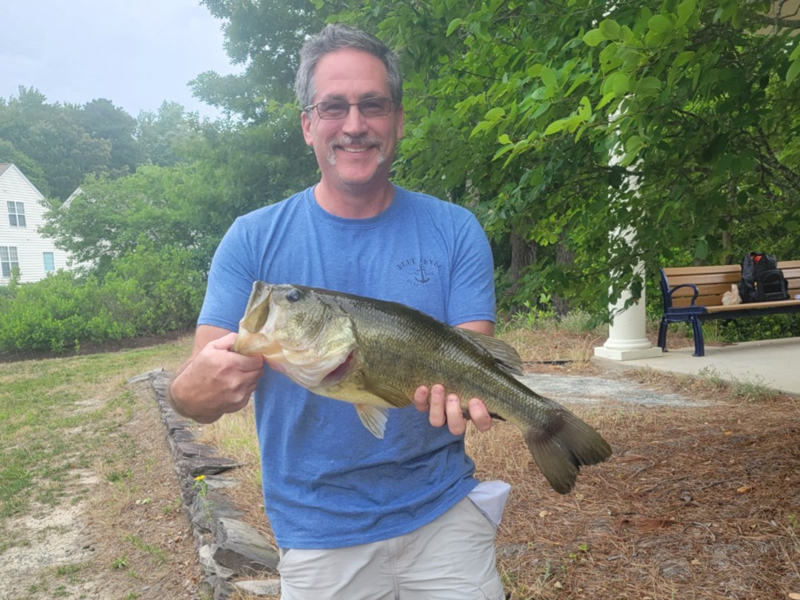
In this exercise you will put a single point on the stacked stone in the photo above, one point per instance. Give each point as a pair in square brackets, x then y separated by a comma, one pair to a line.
[232, 554]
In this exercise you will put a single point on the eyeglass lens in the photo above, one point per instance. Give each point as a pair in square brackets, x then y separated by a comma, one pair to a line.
[368, 107]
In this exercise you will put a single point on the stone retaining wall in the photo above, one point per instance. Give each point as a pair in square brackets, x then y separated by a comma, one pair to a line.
[232, 554]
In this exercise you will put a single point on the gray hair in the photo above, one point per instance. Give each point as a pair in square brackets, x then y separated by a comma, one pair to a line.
[336, 37]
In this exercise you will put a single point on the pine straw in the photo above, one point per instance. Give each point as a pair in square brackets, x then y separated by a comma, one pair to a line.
[696, 503]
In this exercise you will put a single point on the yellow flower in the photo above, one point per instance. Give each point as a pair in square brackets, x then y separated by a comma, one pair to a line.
[200, 478]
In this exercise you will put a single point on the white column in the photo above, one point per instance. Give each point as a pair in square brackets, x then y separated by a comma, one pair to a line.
[627, 333]
[627, 337]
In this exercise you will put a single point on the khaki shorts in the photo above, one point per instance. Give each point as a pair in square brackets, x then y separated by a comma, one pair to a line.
[451, 558]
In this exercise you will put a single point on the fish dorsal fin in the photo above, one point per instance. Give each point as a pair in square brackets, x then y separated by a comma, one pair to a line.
[506, 357]
[373, 418]
[387, 393]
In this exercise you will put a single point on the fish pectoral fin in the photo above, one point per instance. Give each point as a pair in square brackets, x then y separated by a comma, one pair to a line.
[506, 357]
[373, 418]
[387, 393]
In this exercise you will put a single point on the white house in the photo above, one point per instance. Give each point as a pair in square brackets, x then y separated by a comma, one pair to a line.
[22, 211]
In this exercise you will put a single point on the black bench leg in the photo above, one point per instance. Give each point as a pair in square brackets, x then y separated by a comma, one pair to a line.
[662, 335]
[697, 329]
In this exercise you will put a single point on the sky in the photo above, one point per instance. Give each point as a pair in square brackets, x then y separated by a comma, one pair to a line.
[135, 53]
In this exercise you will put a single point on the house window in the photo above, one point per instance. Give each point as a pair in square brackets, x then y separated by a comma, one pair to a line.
[8, 260]
[49, 262]
[16, 214]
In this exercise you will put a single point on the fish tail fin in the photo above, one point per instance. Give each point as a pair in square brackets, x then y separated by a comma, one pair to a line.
[562, 446]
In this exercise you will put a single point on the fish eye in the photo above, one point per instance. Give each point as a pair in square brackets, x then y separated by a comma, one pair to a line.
[293, 296]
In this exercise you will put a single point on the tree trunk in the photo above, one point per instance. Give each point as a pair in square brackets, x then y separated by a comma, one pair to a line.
[563, 257]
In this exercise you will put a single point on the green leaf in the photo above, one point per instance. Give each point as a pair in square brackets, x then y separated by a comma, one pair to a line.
[556, 126]
[633, 144]
[594, 37]
[794, 70]
[648, 86]
[454, 24]
[685, 11]
[504, 139]
[619, 83]
[701, 249]
[605, 100]
[585, 109]
[549, 78]
[659, 24]
[582, 78]
[683, 58]
[610, 29]
[504, 150]
[795, 53]
[495, 114]
[481, 127]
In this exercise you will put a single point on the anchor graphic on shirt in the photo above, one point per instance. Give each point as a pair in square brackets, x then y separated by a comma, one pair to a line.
[423, 277]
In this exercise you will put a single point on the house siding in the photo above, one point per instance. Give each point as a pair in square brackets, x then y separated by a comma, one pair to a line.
[30, 245]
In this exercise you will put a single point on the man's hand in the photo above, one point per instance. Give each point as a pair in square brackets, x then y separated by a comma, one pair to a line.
[445, 408]
[215, 381]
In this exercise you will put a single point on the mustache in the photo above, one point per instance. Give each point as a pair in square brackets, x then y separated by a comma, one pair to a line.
[346, 140]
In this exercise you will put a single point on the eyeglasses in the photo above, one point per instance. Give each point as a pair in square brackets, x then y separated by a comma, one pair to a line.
[339, 109]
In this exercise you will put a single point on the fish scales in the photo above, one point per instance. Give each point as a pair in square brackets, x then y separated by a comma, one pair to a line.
[375, 354]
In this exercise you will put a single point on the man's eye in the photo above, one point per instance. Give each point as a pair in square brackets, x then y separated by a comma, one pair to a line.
[333, 107]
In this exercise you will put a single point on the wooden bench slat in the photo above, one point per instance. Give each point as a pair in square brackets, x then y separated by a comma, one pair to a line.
[753, 305]
[705, 279]
[700, 301]
[704, 290]
[680, 271]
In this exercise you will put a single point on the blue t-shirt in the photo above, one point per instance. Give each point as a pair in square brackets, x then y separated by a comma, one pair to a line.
[328, 482]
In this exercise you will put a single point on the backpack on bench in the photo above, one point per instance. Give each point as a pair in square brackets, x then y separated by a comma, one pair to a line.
[762, 280]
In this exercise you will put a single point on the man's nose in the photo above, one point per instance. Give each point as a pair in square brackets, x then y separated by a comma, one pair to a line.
[354, 123]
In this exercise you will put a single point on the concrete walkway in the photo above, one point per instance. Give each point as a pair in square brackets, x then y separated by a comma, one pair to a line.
[773, 363]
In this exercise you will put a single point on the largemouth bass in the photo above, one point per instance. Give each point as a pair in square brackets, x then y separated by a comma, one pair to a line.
[375, 354]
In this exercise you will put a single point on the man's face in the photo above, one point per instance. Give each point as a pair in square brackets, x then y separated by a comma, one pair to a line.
[354, 151]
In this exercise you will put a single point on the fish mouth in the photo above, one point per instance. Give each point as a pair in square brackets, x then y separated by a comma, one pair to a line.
[250, 339]
[339, 373]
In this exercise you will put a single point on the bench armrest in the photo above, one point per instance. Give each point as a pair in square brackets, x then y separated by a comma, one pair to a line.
[684, 285]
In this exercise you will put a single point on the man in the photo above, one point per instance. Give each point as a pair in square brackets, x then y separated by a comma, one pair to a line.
[355, 516]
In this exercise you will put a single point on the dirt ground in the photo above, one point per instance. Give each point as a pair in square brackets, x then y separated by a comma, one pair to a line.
[127, 538]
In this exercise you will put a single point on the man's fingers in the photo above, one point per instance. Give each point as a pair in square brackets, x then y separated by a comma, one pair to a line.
[225, 342]
[455, 418]
[421, 399]
[437, 415]
[479, 415]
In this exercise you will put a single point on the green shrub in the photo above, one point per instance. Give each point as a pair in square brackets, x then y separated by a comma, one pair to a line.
[147, 292]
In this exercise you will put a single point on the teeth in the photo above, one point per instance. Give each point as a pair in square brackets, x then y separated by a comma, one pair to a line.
[355, 150]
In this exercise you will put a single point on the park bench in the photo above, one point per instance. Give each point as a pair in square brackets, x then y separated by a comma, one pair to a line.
[694, 295]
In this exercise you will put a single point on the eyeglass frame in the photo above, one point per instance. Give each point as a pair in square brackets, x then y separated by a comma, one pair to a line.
[350, 104]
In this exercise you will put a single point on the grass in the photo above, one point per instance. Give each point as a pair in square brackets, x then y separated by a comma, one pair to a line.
[74, 437]
[43, 423]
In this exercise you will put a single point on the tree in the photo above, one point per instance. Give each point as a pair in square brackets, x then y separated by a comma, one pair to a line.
[163, 137]
[102, 120]
[52, 136]
[515, 109]
[266, 37]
